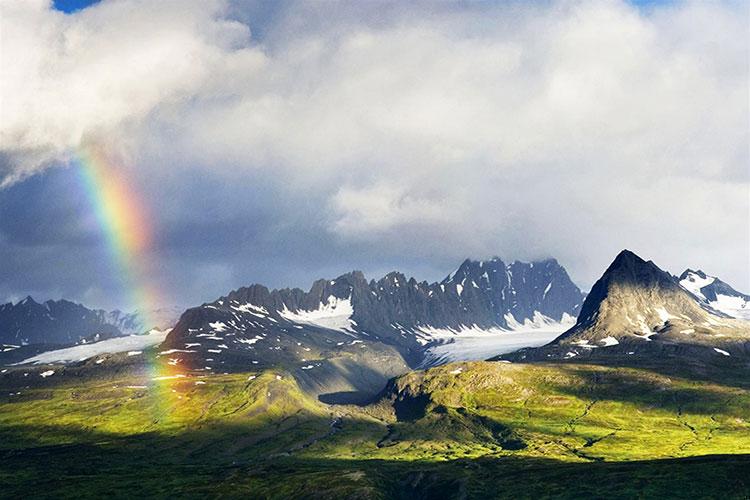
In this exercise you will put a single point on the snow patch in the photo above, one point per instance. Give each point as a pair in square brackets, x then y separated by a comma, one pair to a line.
[693, 284]
[335, 314]
[218, 326]
[250, 341]
[46, 374]
[609, 341]
[721, 351]
[260, 312]
[172, 351]
[584, 343]
[736, 307]
[664, 316]
[130, 343]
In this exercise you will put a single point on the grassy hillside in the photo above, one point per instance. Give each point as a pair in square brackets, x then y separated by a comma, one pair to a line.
[473, 430]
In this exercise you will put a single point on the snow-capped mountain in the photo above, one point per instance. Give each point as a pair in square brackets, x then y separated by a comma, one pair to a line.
[636, 308]
[400, 312]
[61, 322]
[716, 294]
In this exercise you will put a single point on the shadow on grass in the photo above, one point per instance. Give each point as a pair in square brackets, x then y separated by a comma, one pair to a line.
[697, 362]
[196, 464]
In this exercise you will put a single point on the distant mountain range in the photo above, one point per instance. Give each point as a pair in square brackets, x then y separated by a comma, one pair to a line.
[61, 322]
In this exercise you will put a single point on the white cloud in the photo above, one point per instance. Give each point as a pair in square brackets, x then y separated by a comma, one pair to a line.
[370, 211]
[71, 79]
[561, 128]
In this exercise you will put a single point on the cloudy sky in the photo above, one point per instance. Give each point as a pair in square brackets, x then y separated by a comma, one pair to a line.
[282, 141]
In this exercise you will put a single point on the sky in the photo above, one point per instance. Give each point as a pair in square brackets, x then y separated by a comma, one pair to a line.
[280, 142]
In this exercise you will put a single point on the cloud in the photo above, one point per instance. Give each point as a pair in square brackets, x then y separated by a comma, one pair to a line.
[566, 128]
[68, 79]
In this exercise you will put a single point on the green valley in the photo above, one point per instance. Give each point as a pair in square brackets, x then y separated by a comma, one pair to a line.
[479, 430]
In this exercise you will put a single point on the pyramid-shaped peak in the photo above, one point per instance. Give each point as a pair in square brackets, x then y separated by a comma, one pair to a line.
[629, 267]
[627, 258]
[27, 301]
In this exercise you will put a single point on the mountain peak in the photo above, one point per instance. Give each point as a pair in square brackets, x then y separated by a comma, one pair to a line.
[635, 301]
[352, 278]
[689, 272]
[626, 258]
[716, 294]
[475, 268]
[28, 300]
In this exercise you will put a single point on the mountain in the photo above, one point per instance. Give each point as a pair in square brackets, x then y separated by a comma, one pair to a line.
[61, 322]
[636, 308]
[52, 322]
[716, 294]
[138, 322]
[351, 335]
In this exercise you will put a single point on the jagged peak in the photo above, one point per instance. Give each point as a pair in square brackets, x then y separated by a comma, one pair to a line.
[394, 276]
[689, 272]
[351, 278]
[472, 266]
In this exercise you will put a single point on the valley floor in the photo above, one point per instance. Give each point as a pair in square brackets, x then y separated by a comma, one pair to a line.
[463, 430]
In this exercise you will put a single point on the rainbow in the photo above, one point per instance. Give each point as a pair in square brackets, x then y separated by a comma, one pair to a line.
[124, 219]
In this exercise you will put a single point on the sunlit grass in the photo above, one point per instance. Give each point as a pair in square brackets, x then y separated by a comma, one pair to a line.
[573, 414]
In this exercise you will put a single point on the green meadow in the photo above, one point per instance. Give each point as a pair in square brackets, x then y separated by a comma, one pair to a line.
[464, 430]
